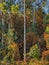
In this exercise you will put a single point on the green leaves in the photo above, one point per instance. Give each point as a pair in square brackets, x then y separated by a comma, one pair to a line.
[10, 36]
[46, 19]
[34, 52]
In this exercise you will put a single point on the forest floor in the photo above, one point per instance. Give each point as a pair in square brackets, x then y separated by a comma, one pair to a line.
[33, 62]
[29, 61]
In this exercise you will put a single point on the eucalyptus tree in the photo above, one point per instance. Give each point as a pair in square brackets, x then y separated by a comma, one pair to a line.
[13, 17]
[38, 26]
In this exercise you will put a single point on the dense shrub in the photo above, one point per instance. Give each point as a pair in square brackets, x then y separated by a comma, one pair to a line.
[34, 52]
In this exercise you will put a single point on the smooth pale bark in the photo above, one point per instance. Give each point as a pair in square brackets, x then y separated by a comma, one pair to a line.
[2, 30]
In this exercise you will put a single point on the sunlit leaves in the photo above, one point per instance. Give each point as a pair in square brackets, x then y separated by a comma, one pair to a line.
[14, 9]
[47, 30]
[3, 7]
[34, 52]
[10, 36]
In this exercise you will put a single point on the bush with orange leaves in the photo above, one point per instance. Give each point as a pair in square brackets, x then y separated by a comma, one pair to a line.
[45, 57]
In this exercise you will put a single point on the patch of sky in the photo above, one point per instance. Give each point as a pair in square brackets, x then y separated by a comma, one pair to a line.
[16, 1]
[22, 9]
[39, 1]
[46, 7]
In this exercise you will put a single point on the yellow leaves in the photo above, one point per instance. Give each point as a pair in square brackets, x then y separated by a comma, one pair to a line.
[2, 7]
[2, 4]
[47, 15]
[17, 6]
[3, 62]
[34, 62]
[14, 9]
[13, 46]
[5, 36]
[4, 11]
[47, 29]
[28, 11]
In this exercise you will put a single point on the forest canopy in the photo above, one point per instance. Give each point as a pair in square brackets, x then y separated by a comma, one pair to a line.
[12, 30]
